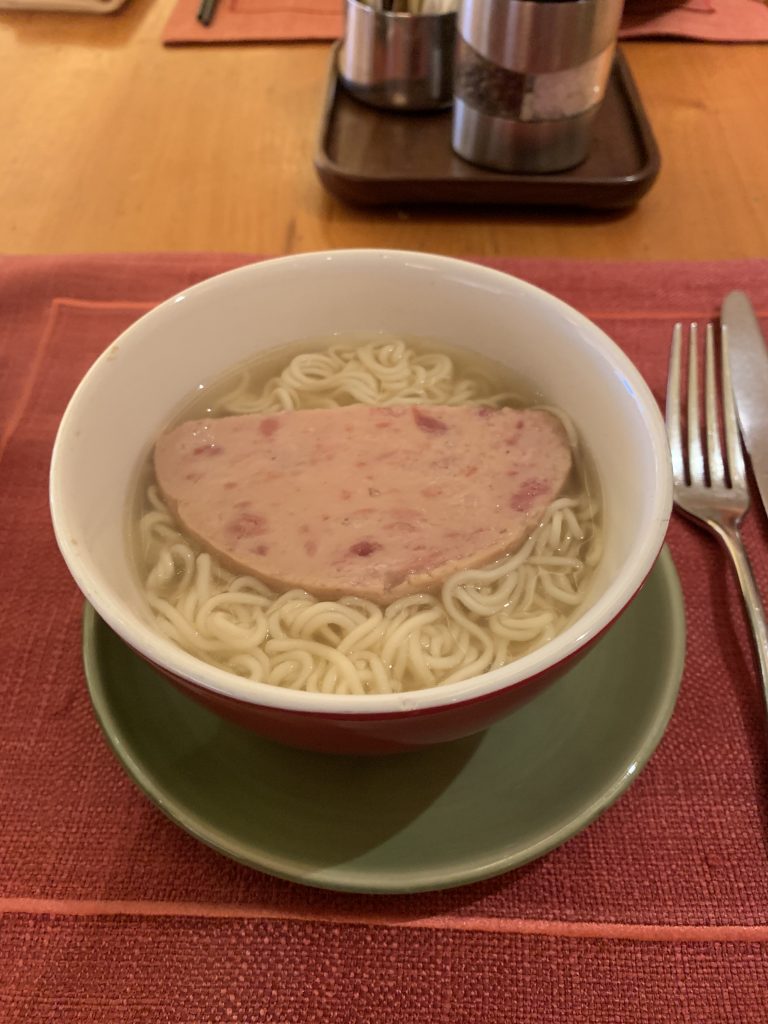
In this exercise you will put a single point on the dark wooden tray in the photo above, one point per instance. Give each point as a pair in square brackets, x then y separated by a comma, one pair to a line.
[367, 156]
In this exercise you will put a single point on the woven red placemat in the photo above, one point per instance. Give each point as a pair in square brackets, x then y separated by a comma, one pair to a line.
[656, 912]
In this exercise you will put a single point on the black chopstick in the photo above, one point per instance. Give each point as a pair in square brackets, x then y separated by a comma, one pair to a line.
[205, 12]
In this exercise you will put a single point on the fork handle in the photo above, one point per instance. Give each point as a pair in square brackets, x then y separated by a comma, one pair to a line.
[752, 602]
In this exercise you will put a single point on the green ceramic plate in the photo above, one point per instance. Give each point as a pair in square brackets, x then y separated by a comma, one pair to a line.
[406, 822]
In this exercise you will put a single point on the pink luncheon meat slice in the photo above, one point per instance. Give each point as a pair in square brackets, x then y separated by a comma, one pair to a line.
[361, 501]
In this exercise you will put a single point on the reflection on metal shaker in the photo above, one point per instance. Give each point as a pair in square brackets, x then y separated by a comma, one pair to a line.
[398, 54]
[529, 78]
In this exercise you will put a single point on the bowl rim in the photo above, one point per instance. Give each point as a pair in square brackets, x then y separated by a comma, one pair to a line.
[566, 645]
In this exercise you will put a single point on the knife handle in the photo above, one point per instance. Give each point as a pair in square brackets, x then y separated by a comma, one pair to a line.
[752, 602]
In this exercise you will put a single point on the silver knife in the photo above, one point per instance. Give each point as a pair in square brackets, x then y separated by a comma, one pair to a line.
[748, 359]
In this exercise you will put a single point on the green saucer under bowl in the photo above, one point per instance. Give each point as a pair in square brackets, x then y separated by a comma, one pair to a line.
[440, 817]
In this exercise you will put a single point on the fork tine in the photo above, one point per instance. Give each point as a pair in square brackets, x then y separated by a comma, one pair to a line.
[674, 432]
[733, 450]
[714, 448]
[695, 452]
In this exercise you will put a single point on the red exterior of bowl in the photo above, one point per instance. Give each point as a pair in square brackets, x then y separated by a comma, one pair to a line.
[374, 733]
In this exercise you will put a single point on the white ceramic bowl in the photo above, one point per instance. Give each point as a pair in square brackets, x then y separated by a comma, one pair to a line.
[129, 394]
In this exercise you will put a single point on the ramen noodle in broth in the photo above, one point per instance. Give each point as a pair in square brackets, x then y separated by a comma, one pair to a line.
[477, 620]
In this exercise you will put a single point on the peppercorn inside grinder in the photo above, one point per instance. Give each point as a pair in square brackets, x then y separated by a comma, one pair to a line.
[530, 76]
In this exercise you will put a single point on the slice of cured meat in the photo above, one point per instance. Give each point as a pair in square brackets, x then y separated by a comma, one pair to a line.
[363, 501]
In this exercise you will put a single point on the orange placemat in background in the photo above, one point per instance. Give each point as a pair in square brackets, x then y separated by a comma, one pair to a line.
[714, 21]
[733, 21]
[256, 21]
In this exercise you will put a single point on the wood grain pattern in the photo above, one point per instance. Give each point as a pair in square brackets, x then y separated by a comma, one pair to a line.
[112, 142]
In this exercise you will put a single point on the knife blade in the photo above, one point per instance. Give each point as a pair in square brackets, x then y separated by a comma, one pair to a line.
[748, 361]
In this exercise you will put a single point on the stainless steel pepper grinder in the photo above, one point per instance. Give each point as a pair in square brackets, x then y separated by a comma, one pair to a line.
[529, 78]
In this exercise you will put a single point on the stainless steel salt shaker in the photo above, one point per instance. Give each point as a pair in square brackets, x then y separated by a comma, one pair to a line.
[398, 54]
[529, 78]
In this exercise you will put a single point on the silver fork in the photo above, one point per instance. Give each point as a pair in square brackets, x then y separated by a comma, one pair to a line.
[709, 489]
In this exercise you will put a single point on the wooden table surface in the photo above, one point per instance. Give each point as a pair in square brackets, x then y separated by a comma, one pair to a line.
[111, 142]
